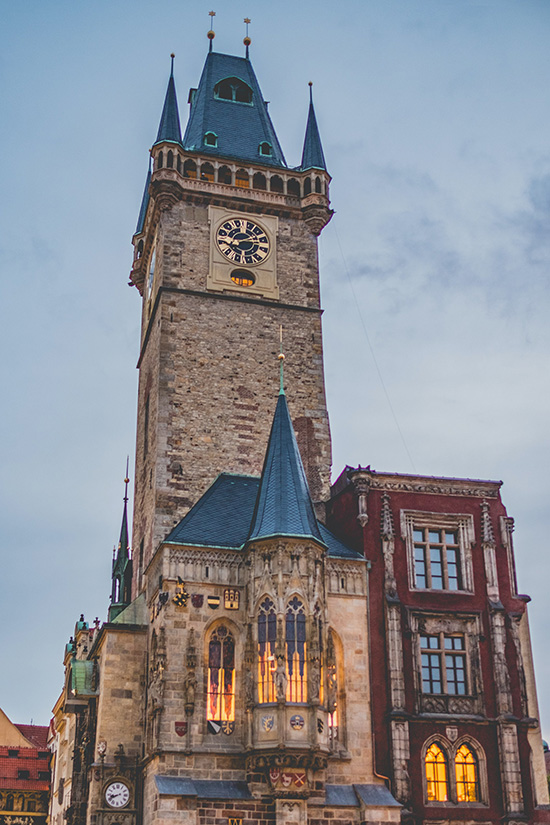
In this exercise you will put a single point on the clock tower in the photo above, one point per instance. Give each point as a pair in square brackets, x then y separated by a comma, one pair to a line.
[225, 254]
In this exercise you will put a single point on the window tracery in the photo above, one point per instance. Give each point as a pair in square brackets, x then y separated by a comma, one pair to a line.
[295, 641]
[267, 638]
[464, 782]
[220, 702]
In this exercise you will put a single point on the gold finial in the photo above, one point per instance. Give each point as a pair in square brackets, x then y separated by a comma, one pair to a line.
[247, 41]
[211, 34]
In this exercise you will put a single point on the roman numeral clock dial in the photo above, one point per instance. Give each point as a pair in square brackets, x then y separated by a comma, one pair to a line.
[243, 242]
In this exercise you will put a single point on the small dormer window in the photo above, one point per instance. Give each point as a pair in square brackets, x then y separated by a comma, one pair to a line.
[231, 88]
[266, 149]
[210, 139]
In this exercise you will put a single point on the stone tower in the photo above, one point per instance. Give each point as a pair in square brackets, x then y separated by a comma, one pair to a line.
[225, 253]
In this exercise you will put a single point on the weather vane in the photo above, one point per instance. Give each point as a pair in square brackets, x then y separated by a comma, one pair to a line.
[211, 33]
[247, 41]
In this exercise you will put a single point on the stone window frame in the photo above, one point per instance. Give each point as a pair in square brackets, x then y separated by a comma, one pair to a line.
[462, 523]
[448, 704]
[450, 749]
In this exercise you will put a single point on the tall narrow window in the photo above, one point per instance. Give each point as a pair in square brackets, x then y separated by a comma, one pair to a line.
[467, 775]
[437, 783]
[220, 703]
[332, 693]
[295, 637]
[267, 637]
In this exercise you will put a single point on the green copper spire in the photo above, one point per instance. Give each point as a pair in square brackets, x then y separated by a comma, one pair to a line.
[121, 591]
[312, 155]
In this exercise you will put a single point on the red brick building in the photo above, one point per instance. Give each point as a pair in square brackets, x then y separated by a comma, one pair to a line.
[24, 773]
[455, 712]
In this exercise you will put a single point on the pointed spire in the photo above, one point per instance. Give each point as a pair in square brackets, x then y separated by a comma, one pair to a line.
[144, 201]
[121, 590]
[312, 155]
[283, 506]
[169, 127]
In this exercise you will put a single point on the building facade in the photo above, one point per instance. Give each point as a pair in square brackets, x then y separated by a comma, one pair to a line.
[24, 773]
[278, 650]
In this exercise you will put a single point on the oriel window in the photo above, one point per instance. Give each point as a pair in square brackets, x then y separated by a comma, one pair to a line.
[220, 704]
[295, 637]
[267, 637]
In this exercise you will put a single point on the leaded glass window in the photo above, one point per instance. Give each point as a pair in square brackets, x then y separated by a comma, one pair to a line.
[267, 636]
[437, 783]
[295, 638]
[467, 775]
[220, 704]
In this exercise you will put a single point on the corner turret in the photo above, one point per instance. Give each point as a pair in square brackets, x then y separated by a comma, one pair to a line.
[312, 154]
[169, 126]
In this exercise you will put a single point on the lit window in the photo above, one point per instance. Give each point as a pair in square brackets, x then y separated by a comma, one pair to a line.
[267, 637]
[436, 559]
[467, 775]
[265, 149]
[220, 704]
[242, 277]
[295, 637]
[210, 139]
[443, 664]
[242, 179]
[437, 785]
[233, 89]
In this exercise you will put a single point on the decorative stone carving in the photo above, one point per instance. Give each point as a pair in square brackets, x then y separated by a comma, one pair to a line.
[361, 481]
[489, 553]
[514, 620]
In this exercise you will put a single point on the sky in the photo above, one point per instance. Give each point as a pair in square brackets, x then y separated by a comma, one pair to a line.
[435, 275]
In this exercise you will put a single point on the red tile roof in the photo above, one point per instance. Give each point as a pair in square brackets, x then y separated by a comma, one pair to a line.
[27, 759]
[37, 734]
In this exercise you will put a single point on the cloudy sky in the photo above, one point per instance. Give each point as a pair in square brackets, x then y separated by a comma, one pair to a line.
[435, 269]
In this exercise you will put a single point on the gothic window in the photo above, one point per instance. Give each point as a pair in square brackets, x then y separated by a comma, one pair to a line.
[9, 802]
[258, 181]
[178, 163]
[241, 179]
[265, 149]
[210, 139]
[160, 160]
[189, 169]
[234, 89]
[295, 639]
[276, 184]
[224, 174]
[170, 159]
[220, 702]
[318, 186]
[307, 186]
[293, 187]
[467, 775]
[443, 664]
[267, 637]
[207, 172]
[332, 693]
[439, 550]
[437, 783]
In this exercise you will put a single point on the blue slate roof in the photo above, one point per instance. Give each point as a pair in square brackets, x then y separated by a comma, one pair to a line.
[144, 203]
[202, 788]
[312, 155]
[283, 506]
[169, 126]
[371, 796]
[239, 127]
[221, 518]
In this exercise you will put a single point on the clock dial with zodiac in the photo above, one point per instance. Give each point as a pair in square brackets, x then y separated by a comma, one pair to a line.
[242, 241]
[117, 794]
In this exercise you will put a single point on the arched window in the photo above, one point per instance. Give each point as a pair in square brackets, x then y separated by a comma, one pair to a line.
[295, 638]
[276, 184]
[9, 802]
[140, 249]
[160, 160]
[178, 163]
[210, 139]
[207, 172]
[267, 637]
[189, 169]
[318, 188]
[293, 187]
[220, 702]
[224, 174]
[307, 186]
[265, 149]
[170, 159]
[467, 775]
[258, 181]
[332, 693]
[233, 89]
[241, 179]
[437, 783]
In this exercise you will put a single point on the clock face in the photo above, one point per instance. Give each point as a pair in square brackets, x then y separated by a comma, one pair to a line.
[117, 795]
[242, 241]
